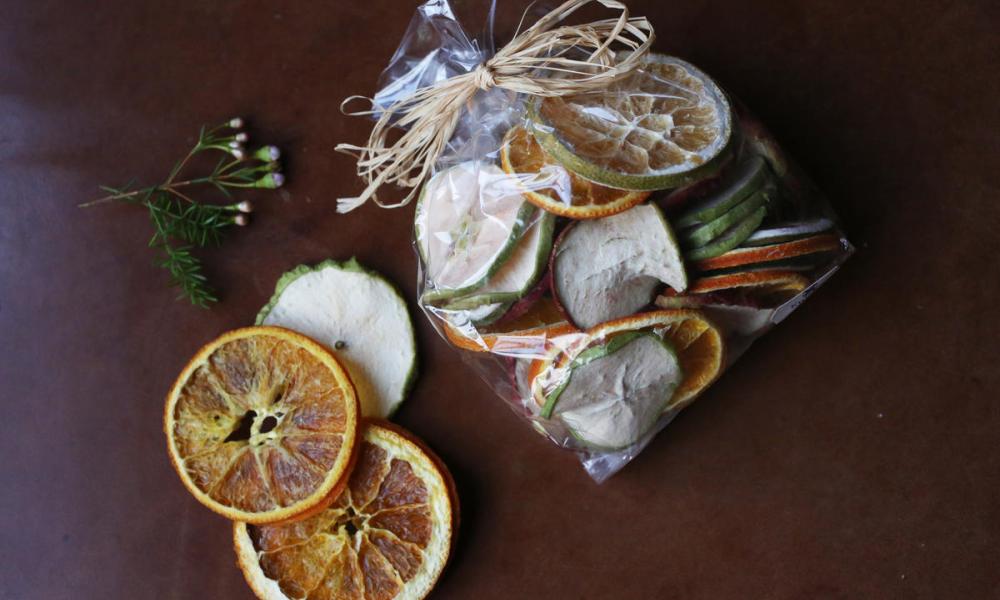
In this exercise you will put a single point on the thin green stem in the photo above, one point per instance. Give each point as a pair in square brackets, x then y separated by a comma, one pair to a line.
[181, 223]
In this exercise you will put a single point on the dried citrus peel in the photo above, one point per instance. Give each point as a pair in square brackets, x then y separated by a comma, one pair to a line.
[553, 188]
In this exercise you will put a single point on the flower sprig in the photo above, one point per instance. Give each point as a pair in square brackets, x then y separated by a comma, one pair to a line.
[180, 223]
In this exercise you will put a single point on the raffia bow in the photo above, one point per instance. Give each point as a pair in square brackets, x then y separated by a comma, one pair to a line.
[536, 62]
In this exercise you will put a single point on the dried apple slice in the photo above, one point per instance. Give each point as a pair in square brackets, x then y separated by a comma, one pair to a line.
[519, 273]
[696, 339]
[608, 268]
[358, 315]
[614, 393]
[467, 223]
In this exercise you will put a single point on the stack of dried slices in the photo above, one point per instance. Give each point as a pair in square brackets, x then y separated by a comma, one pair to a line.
[558, 254]
[280, 428]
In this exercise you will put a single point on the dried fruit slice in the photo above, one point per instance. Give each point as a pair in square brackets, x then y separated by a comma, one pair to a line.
[696, 340]
[788, 232]
[770, 253]
[766, 288]
[731, 238]
[747, 177]
[261, 425]
[744, 302]
[661, 127]
[555, 189]
[611, 267]
[614, 393]
[388, 535]
[526, 335]
[703, 235]
[468, 221]
[519, 273]
[481, 316]
[358, 315]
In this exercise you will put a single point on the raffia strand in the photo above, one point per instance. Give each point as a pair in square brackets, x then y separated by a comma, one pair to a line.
[539, 61]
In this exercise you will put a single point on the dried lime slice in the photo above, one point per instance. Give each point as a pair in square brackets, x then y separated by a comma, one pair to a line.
[663, 126]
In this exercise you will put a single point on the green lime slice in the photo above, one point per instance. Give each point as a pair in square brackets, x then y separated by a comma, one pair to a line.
[663, 126]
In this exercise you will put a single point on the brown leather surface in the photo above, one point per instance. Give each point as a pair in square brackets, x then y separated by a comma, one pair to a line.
[852, 453]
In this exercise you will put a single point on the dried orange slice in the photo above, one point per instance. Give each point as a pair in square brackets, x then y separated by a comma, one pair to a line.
[771, 287]
[696, 340]
[559, 191]
[387, 536]
[825, 242]
[665, 125]
[261, 425]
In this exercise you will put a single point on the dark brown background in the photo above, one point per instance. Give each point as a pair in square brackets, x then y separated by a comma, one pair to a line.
[853, 453]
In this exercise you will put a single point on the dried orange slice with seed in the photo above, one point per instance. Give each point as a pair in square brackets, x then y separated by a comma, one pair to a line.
[548, 183]
[388, 535]
[696, 340]
[261, 425]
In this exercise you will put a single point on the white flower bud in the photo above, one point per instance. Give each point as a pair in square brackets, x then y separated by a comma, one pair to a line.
[241, 220]
[236, 123]
[245, 207]
[242, 137]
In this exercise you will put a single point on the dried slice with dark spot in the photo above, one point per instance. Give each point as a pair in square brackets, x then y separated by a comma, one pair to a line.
[261, 425]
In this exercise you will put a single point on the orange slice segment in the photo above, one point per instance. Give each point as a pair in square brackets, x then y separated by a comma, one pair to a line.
[696, 340]
[388, 535]
[261, 425]
[555, 189]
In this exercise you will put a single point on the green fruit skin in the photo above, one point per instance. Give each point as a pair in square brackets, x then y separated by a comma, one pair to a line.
[703, 235]
[588, 355]
[547, 223]
[491, 318]
[352, 265]
[625, 181]
[611, 347]
[724, 200]
[520, 225]
[731, 239]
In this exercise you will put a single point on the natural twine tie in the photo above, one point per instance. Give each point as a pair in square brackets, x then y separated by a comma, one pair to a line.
[536, 62]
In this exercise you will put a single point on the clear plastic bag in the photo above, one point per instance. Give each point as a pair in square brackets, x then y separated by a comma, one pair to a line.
[601, 258]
